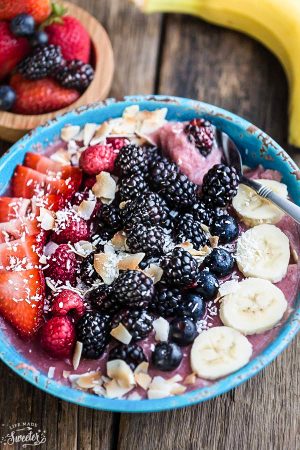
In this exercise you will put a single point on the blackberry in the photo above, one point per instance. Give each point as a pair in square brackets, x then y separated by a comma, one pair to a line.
[111, 217]
[163, 172]
[153, 154]
[147, 261]
[132, 187]
[102, 300]
[166, 300]
[189, 230]
[200, 133]
[101, 236]
[74, 74]
[92, 330]
[206, 214]
[132, 159]
[220, 185]
[149, 209]
[41, 63]
[137, 321]
[88, 273]
[132, 354]
[180, 268]
[151, 240]
[133, 289]
[180, 192]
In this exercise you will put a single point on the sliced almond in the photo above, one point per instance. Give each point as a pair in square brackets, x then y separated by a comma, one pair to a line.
[77, 354]
[130, 262]
[121, 334]
[89, 380]
[106, 266]
[61, 156]
[156, 394]
[88, 132]
[118, 370]
[143, 380]
[295, 255]
[155, 272]
[143, 367]
[86, 208]
[47, 219]
[105, 187]
[114, 390]
[69, 132]
[177, 389]
[101, 133]
[214, 240]
[190, 379]
[118, 241]
[161, 327]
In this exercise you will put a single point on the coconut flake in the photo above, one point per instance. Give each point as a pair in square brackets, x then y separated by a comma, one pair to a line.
[69, 132]
[143, 380]
[105, 187]
[61, 156]
[143, 367]
[106, 266]
[77, 355]
[130, 261]
[118, 241]
[101, 133]
[47, 219]
[121, 334]
[88, 133]
[86, 209]
[114, 390]
[119, 370]
[161, 327]
[155, 272]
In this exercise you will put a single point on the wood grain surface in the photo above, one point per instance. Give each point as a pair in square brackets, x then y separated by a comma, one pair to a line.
[181, 55]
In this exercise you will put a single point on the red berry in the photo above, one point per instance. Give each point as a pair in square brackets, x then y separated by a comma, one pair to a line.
[97, 158]
[40, 9]
[62, 265]
[70, 229]
[12, 48]
[58, 337]
[117, 143]
[68, 302]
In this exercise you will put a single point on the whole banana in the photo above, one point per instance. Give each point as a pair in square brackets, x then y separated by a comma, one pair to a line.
[275, 23]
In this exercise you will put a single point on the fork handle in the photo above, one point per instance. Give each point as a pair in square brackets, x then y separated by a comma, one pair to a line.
[285, 205]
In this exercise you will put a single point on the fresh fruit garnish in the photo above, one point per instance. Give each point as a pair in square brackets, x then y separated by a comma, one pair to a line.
[141, 238]
[166, 356]
[137, 322]
[97, 158]
[12, 49]
[38, 38]
[180, 268]
[201, 134]
[70, 228]
[39, 10]
[58, 337]
[22, 299]
[189, 230]
[18, 228]
[22, 25]
[41, 63]
[132, 159]
[166, 300]
[220, 262]
[207, 285]
[40, 96]
[182, 331]
[220, 185]
[92, 330]
[68, 303]
[192, 307]
[132, 354]
[133, 288]
[13, 207]
[20, 254]
[7, 98]
[62, 265]
[226, 227]
[74, 75]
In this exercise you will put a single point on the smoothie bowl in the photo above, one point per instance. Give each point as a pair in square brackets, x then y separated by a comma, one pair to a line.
[136, 274]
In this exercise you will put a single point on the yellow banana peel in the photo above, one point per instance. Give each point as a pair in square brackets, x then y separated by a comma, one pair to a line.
[275, 23]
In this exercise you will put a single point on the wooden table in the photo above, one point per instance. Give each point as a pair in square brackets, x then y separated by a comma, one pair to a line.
[183, 56]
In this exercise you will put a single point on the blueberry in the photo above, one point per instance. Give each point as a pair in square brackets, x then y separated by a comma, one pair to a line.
[207, 285]
[7, 98]
[226, 227]
[22, 25]
[39, 38]
[166, 356]
[220, 262]
[183, 331]
[192, 306]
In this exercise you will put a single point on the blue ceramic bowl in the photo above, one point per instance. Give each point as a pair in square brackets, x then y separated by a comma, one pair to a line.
[256, 147]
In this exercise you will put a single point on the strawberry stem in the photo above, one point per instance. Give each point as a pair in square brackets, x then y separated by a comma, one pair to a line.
[58, 10]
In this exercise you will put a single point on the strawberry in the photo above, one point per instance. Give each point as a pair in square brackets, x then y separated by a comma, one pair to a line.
[20, 254]
[40, 96]
[16, 228]
[97, 158]
[39, 9]
[22, 299]
[58, 337]
[12, 49]
[12, 208]
[62, 265]
[27, 182]
[69, 33]
[49, 167]
[48, 201]
[68, 302]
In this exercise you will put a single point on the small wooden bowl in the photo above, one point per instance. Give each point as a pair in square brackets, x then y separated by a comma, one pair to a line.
[13, 126]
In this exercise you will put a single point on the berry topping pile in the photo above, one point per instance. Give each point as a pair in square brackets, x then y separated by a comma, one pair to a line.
[110, 254]
[44, 57]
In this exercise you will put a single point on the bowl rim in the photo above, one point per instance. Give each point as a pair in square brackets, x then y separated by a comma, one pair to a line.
[18, 363]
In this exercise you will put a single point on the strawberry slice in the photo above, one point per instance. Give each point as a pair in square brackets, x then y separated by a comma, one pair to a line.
[48, 201]
[49, 167]
[12, 208]
[16, 228]
[27, 182]
[22, 297]
[20, 254]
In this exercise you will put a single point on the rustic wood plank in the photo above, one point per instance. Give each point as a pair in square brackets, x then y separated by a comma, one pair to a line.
[225, 68]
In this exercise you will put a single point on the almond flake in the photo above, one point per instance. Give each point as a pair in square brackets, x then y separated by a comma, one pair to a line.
[89, 380]
[143, 367]
[214, 240]
[101, 133]
[86, 209]
[88, 132]
[47, 219]
[105, 187]
[177, 389]
[190, 379]
[121, 334]
[161, 327]
[130, 261]
[69, 132]
[118, 241]
[143, 380]
[294, 255]
[106, 266]
[120, 371]
[77, 354]
[157, 394]
[61, 156]
[114, 390]
[155, 272]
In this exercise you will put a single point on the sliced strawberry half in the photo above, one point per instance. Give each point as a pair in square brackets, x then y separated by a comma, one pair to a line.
[48, 201]
[46, 165]
[27, 182]
[20, 254]
[13, 207]
[22, 296]
[16, 228]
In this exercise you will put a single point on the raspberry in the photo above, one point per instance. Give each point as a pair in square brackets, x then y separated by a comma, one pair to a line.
[117, 143]
[58, 337]
[70, 228]
[68, 302]
[62, 265]
[97, 158]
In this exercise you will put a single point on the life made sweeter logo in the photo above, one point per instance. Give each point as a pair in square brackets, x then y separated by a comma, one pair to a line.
[26, 434]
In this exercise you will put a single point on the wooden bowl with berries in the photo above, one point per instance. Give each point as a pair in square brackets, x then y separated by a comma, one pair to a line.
[55, 58]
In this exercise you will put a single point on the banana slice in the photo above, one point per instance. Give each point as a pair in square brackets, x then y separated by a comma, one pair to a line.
[253, 209]
[254, 307]
[263, 252]
[219, 351]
